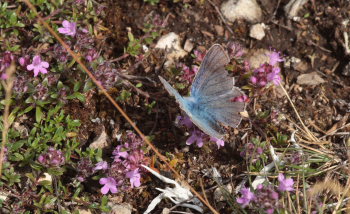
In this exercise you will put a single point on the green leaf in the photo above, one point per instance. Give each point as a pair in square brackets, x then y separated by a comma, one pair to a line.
[15, 146]
[80, 96]
[16, 157]
[38, 114]
[26, 110]
[76, 86]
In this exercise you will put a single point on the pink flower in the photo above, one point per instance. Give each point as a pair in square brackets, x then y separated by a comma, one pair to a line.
[196, 136]
[235, 50]
[119, 152]
[199, 55]
[286, 184]
[219, 142]
[273, 76]
[184, 121]
[275, 58]
[69, 28]
[102, 165]
[24, 60]
[38, 66]
[109, 185]
[242, 99]
[135, 177]
[247, 197]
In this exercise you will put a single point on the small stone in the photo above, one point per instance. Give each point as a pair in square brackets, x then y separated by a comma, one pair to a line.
[101, 142]
[256, 57]
[84, 211]
[346, 70]
[309, 79]
[293, 7]
[171, 44]
[241, 9]
[21, 129]
[257, 31]
[3, 195]
[221, 192]
[166, 211]
[123, 208]
[45, 178]
[301, 66]
[219, 30]
[188, 45]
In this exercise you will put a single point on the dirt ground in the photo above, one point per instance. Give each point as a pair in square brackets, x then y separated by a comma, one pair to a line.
[316, 40]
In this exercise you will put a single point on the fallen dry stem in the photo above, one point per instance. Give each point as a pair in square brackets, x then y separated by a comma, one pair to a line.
[8, 89]
[296, 112]
[109, 97]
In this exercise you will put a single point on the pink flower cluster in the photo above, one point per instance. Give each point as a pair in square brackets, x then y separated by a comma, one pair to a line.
[52, 158]
[267, 72]
[189, 73]
[126, 165]
[265, 197]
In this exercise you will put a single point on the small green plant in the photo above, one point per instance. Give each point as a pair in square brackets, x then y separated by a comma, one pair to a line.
[8, 18]
[134, 45]
[152, 2]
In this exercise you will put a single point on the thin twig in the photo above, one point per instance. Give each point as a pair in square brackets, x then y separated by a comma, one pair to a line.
[8, 89]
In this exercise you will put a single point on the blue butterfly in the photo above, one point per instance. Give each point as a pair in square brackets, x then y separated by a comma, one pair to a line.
[210, 103]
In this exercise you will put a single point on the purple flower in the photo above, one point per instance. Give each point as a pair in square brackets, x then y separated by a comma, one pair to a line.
[252, 152]
[273, 76]
[52, 158]
[247, 197]
[24, 61]
[235, 50]
[20, 84]
[102, 165]
[85, 169]
[189, 73]
[106, 74]
[38, 66]
[184, 121]
[6, 60]
[242, 99]
[91, 55]
[219, 142]
[274, 58]
[69, 28]
[120, 152]
[109, 185]
[196, 136]
[286, 184]
[135, 177]
[41, 92]
[199, 55]
[266, 198]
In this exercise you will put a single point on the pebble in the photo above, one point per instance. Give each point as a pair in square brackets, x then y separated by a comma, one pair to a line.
[241, 9]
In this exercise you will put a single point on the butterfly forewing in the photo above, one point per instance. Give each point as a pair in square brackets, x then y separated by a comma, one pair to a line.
[216, 89]
[214, 60]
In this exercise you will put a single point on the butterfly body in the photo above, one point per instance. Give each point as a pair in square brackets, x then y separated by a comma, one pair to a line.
[210, 103]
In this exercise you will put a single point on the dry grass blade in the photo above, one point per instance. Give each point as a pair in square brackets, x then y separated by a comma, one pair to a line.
[7, 84]
[104, 91]
[310, 135]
